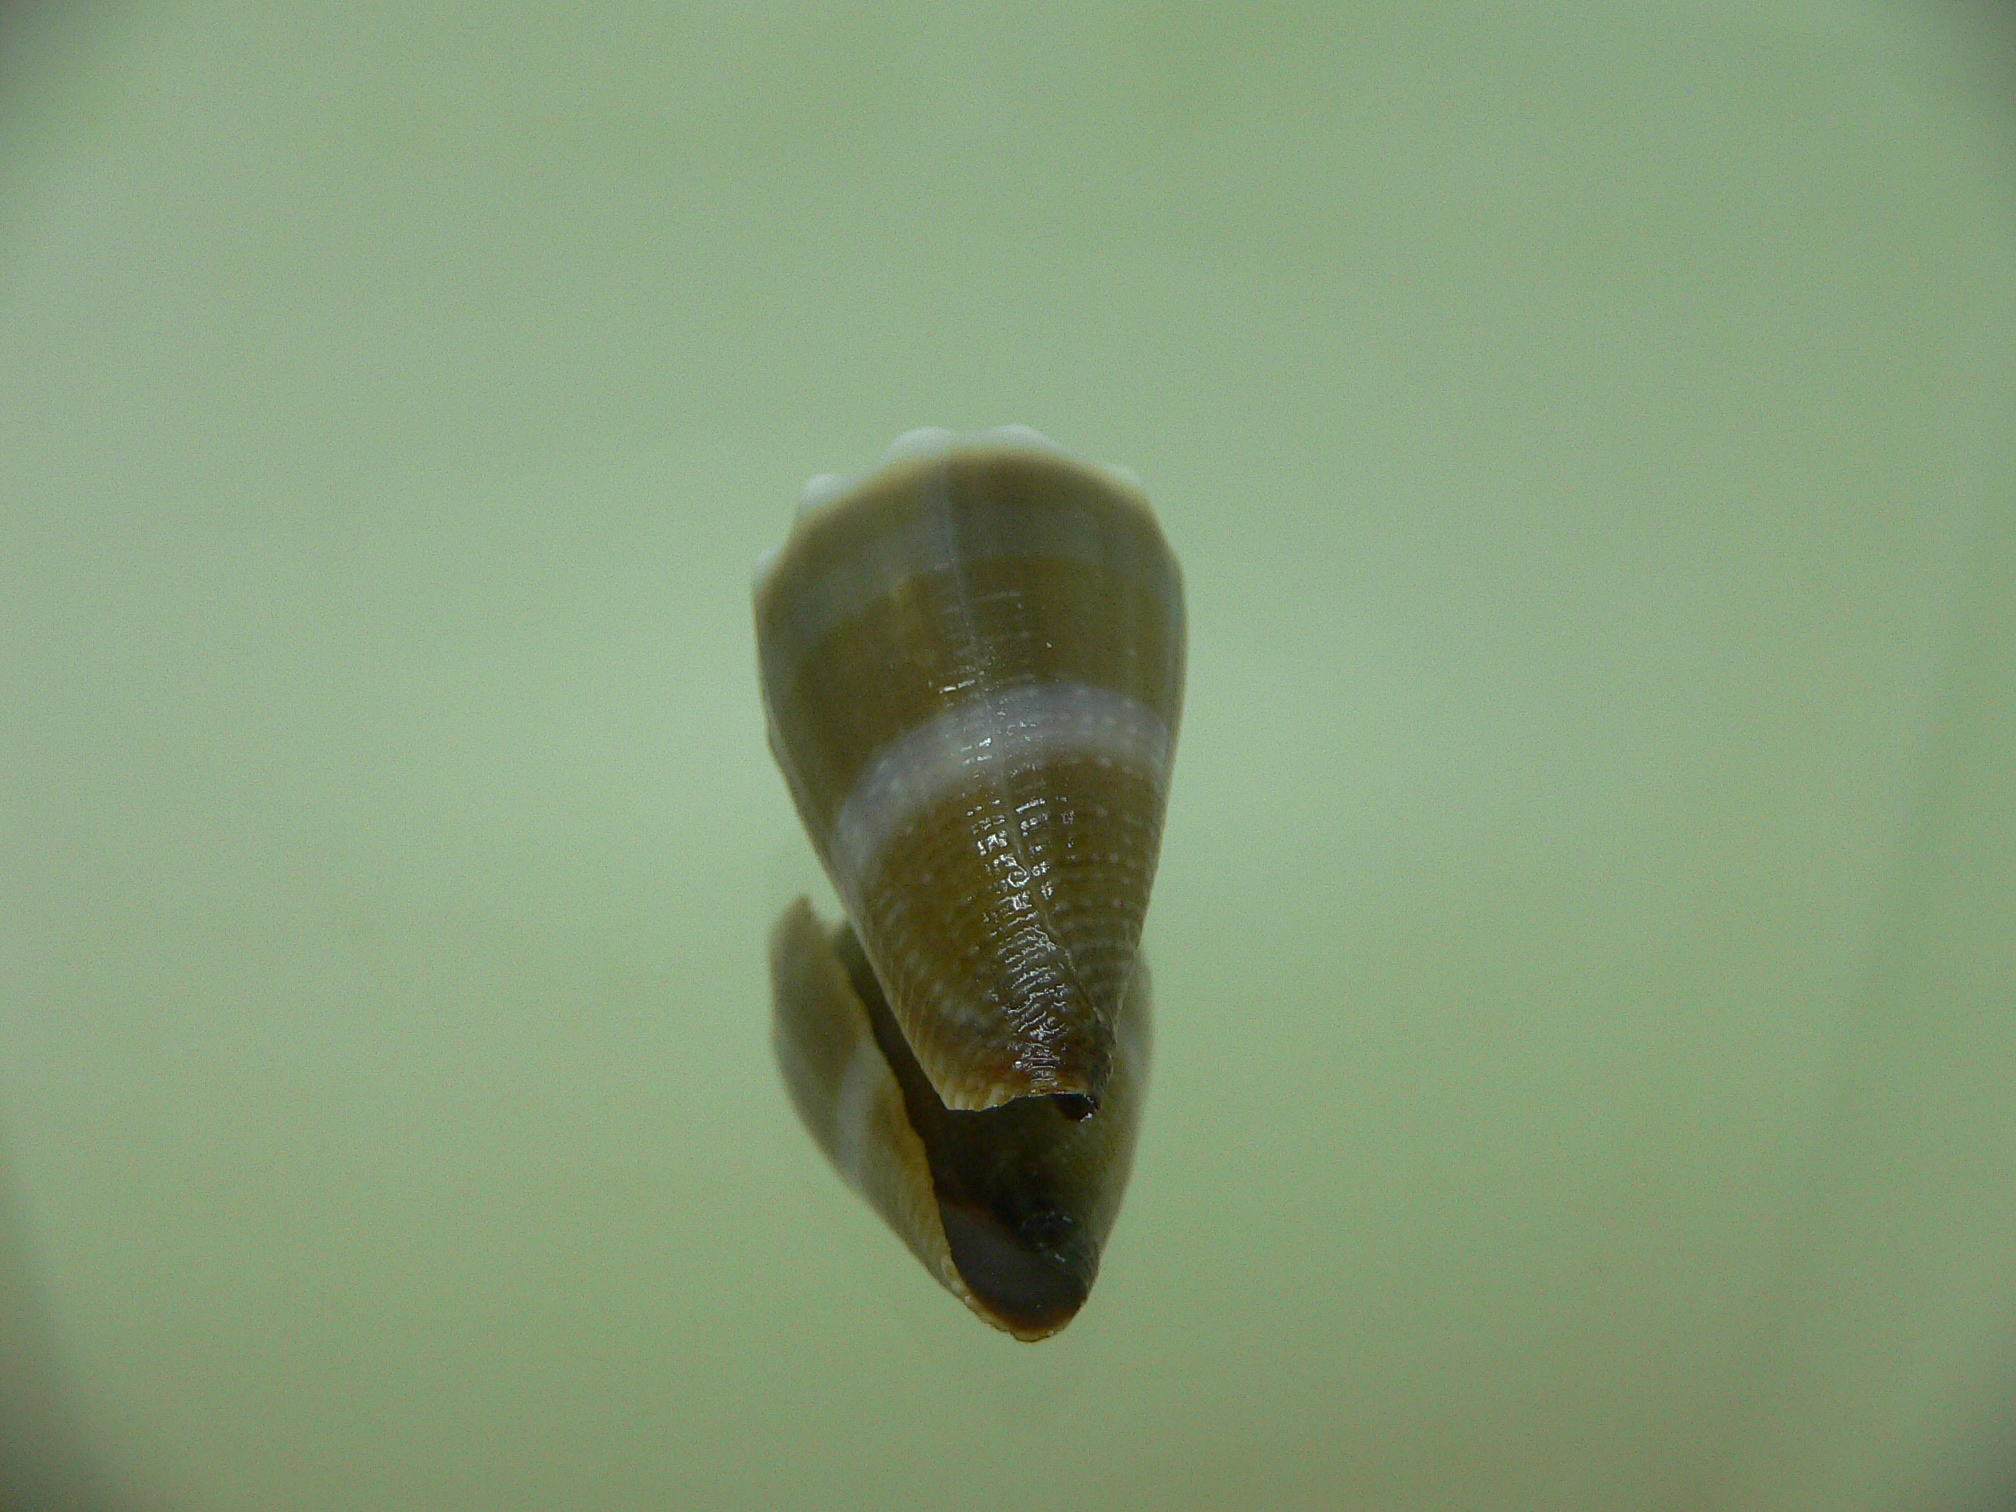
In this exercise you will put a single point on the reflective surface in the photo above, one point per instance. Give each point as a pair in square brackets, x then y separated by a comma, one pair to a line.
[1583, 1068]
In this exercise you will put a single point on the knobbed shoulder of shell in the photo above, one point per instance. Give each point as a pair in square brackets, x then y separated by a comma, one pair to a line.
[972, 668]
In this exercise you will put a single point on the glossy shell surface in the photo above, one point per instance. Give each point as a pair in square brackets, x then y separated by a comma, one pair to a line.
[972, 667]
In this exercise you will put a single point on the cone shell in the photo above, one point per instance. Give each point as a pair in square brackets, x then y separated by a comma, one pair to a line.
[972, 663]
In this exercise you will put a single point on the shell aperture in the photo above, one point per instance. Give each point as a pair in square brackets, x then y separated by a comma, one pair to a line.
[972, 666]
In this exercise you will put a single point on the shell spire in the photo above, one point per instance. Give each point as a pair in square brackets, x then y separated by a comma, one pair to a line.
[972, 668]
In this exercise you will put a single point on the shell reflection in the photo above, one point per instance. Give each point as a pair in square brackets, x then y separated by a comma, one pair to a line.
[972, 664]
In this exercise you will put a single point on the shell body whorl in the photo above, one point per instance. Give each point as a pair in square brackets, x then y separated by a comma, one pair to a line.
[972, 669]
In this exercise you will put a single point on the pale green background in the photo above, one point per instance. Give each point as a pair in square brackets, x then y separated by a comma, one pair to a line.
[1587, 1056]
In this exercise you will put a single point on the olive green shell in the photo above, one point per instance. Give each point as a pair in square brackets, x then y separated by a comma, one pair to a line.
[972, 667]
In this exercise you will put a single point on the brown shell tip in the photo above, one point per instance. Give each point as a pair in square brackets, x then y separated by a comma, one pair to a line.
[1028, 1277]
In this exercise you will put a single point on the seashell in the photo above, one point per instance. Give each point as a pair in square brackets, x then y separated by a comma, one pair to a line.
[972, 666]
